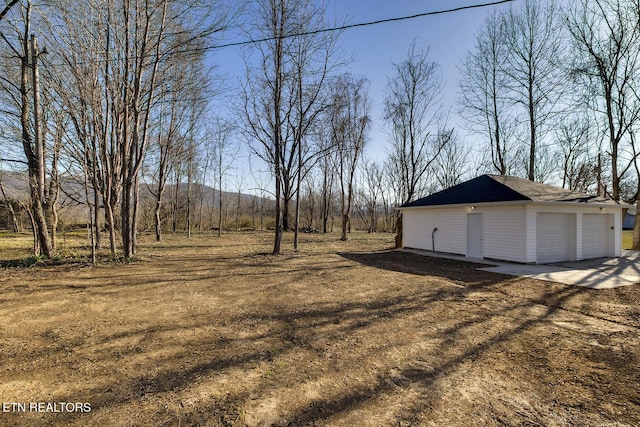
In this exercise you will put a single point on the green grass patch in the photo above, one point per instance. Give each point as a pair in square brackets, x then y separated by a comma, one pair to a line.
[31, 260]
[627, 239]
[24, 262]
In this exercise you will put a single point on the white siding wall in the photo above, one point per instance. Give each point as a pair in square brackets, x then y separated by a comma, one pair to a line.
[503, 230]
[451, 237]
[509, 230]
[531, 234]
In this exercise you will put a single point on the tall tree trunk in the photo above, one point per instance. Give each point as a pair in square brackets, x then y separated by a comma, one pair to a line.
[636, 231]
[35, 159]
[156, 217]
[110, 220]
[238, 211]
[201, 207]
[189, 173]
[37, 126]
[297, 213]
[9, 204]
[261, 213]
[54, 184]
[125, 217]
[96, 214]
[325, 212]
[532, 136]
[92, 208]
[253, 213]
[345, 215]
[174, 205]
[285, 209]
[220, 205]
[34, 231]
[277, 127]
[134, 215]
[278, 211]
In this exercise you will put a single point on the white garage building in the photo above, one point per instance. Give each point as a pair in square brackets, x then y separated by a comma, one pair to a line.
[513, 219]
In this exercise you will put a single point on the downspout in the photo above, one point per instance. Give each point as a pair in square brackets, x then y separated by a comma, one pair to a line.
[433, 240]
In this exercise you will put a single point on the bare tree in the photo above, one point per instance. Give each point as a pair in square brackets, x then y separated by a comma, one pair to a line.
[282, 96]
[311, 198]
[193, 149]
[132, 46]
[53, 189]
[574, 138]
[24, 103]
[326, 165]
[606, 42]
[239, 185]
[349, 123]
[261, 179]
[191, 171]
[81, 145]
[177, 107]
[483, 85]
[224, 151]
[390, 195]
[412, 107]
[87, 85]
[534, 65]
[264, 107]
[141, 33]
[372, 175]
[451, 165]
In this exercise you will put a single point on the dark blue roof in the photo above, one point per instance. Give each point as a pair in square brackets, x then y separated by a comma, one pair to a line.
[482, 189]
[498, 188]
[629, 221]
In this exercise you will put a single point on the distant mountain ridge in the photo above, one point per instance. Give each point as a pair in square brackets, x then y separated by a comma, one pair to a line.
[16, 186]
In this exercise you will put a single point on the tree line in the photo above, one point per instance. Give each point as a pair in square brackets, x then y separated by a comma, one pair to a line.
[120, 101]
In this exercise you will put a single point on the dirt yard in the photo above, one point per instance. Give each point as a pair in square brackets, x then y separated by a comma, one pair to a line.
[215, 332]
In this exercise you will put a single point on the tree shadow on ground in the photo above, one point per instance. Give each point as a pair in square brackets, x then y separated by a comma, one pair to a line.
[294, 328]
[410, 263]
[426, 376]
[299, 329]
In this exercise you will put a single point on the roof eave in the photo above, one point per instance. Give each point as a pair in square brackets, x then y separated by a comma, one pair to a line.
[458, 205]
[610, 204]
[523, 202]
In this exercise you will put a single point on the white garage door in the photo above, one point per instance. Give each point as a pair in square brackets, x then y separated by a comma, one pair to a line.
[596, 235]
[556, 240]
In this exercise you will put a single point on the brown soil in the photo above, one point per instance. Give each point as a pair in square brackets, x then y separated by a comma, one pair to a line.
[214, 332]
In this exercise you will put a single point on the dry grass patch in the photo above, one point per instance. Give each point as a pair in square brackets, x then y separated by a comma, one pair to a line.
[214, 331]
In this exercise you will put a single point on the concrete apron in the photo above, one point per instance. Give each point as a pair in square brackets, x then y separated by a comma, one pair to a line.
[602, 273]
[585, 277]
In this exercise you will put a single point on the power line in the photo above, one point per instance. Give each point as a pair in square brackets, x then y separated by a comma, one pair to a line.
[361, 24]
[325, 30]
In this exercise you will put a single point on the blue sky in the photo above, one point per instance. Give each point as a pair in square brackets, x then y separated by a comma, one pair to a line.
[374, 48]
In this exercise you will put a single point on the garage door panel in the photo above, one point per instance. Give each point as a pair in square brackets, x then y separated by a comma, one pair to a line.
[555, 237]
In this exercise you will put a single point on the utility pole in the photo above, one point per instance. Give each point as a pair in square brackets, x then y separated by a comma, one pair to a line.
[37, 188]
[38, 143]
